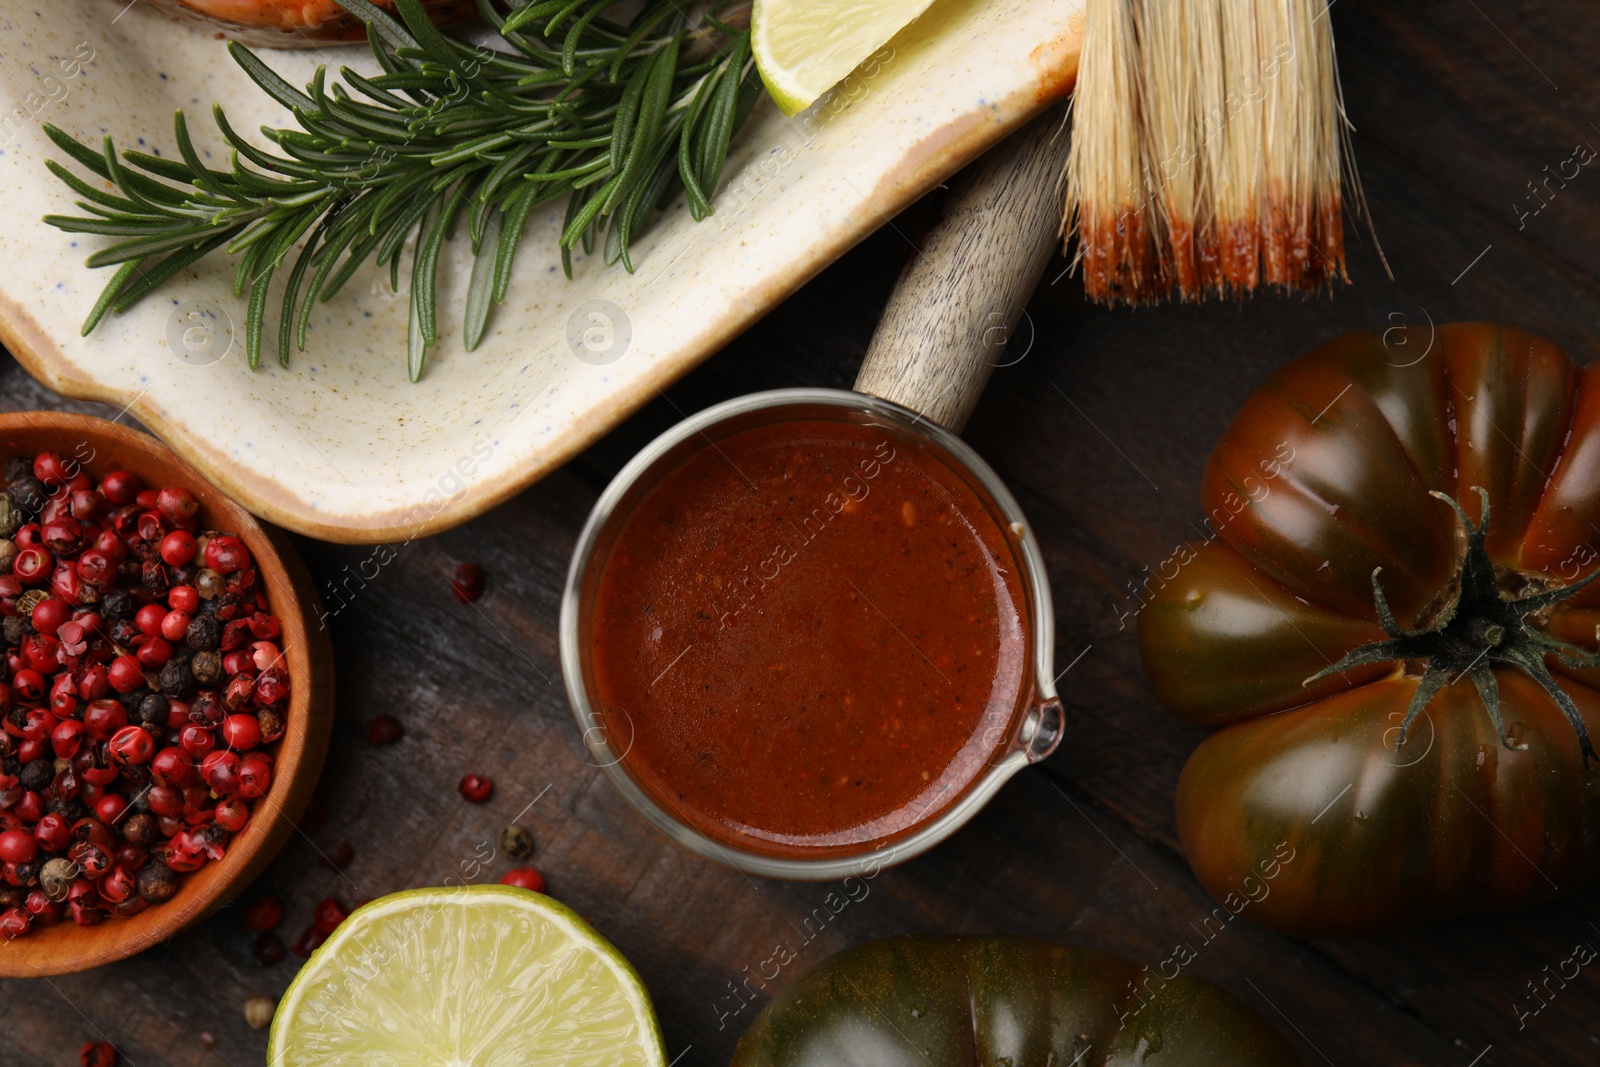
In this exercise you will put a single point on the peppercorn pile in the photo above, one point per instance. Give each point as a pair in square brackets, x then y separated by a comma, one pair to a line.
[145, 673]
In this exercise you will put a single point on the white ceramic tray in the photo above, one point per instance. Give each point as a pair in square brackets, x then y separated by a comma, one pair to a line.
[341, 445]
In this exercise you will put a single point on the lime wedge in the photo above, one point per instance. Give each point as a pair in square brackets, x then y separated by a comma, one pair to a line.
[805, 47]
[478, 976]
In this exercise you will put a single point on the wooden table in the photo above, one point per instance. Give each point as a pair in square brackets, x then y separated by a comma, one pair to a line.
[1101, 431]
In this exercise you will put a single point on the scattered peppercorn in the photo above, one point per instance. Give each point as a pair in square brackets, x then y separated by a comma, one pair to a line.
[258, 1011]
[516, 844]
[327, 916]
[468, 582]
[475, 789]
[384, 730]
[98, 1054]
[308, 943]
[263, 913]
[269, 949]
[524, 878]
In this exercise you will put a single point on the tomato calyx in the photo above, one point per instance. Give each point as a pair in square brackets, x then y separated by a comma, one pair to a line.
[1478, 627]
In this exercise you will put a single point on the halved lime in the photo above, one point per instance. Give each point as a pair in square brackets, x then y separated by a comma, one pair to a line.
[805, 47]
[474, 976]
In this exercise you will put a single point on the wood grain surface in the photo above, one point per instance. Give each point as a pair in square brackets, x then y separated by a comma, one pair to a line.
[1101, 431]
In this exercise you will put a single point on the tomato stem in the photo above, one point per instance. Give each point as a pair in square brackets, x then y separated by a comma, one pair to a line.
[1480, 626]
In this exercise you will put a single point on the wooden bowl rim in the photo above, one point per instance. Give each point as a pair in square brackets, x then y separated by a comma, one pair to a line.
[65, 948]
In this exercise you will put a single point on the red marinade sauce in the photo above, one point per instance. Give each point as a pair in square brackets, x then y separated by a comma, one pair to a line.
[810, 638]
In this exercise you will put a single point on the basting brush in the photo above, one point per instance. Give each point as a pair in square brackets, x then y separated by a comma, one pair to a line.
[1207, 156]
[1208, 150]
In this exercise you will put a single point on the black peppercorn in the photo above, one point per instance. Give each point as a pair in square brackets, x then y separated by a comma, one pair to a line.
[28, 873]
[516, 844]
[124, 633]
[117, 604]
[157, 883]
[28, 495]
[152, 709]
[11, 896]
[206, 666]
[140, 830]
[177, 680]
[205, 632]
[37, 774]
[16, 627]
[18, 468]
[129, 572]
[70, 810]
[132, 700]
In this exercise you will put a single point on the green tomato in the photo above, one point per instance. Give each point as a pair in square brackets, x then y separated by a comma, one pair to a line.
[1392, 632]
[966, 1001]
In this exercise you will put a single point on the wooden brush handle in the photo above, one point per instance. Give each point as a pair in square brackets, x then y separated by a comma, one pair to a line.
[954, 306]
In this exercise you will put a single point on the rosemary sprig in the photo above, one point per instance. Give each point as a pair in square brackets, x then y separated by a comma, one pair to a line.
[621, 117]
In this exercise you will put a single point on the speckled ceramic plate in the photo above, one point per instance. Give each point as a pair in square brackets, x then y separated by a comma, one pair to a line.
[341, 445]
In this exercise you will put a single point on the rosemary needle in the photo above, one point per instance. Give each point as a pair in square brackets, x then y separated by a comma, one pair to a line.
[451, 137]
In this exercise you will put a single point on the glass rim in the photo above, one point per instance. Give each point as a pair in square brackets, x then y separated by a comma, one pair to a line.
[1028, 744]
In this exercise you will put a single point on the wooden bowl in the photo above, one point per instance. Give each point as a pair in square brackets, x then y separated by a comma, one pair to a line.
[101, 446]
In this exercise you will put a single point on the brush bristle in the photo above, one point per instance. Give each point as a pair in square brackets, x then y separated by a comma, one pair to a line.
[1208, 147]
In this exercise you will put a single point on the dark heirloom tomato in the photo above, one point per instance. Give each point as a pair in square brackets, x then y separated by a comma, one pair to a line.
[961, 1002]
[1426, 763]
